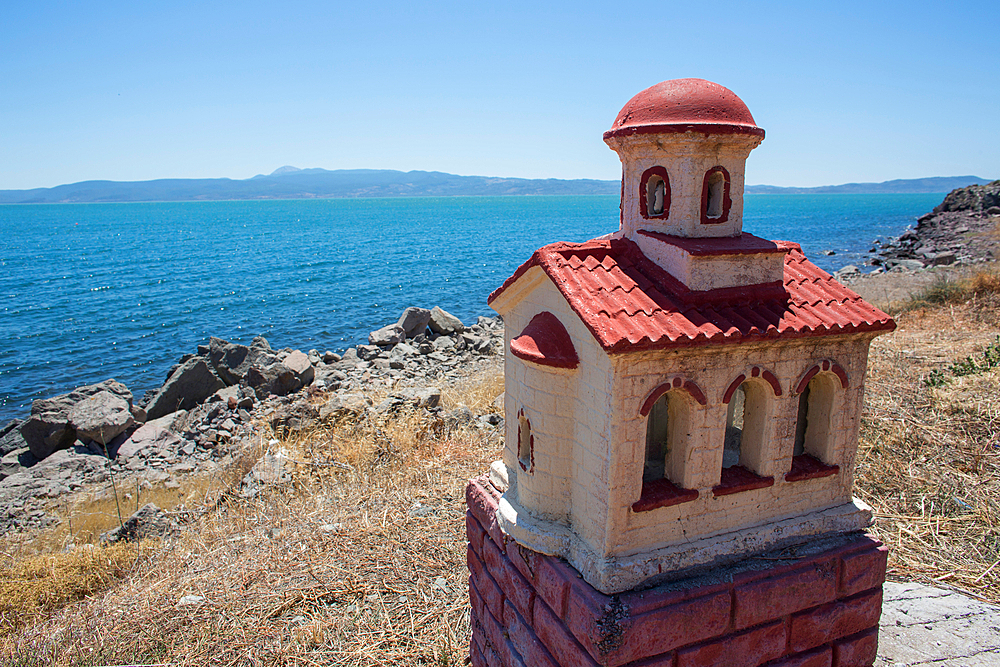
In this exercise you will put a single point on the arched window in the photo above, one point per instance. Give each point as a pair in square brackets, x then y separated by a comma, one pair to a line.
[667, 425]
[746, 416]
[811, 453]
[657, 440]
[525, 443]
[715, 198]
[654, 194]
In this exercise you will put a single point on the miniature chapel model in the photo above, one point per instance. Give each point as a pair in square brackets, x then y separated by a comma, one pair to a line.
[681, 398]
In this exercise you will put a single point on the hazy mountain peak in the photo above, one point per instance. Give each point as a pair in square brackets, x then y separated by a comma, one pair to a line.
[287, 169]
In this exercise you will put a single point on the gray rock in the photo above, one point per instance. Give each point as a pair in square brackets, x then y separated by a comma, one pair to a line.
[11, 438]
[299, 364]
[414, 321]
[910, 264]
[282, 377]
[229, 360]
[48, 429]
[331, 357]
[270, 470]
[942, 258]
[444, 323]
[341, 404]
[150, 436]
[149, 521]
[16, 462]
[425, 397]
[443, 343]
[367, 352]
[387, 336]
[101, 417]
[404, 350]
[189, 385]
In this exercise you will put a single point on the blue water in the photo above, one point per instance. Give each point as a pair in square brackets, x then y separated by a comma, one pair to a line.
[92, 291]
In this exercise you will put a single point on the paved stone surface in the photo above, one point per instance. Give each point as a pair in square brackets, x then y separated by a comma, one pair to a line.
[923, 626]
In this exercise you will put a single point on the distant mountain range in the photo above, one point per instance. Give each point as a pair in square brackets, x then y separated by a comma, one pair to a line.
[898, 186]
[294, 183]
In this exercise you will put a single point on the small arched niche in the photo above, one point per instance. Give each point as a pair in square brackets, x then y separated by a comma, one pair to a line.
[743, 441]
[525, 443]
[812, 453]
[654, 194]
[668, 415]
[715, 197]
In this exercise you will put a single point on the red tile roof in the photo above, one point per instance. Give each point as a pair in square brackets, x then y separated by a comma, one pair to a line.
[630, 304]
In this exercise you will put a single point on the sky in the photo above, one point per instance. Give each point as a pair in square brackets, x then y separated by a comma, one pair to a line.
[847, 92]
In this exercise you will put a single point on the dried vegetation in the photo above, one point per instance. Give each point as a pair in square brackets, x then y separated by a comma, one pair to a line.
[929, 459]
[360, 558]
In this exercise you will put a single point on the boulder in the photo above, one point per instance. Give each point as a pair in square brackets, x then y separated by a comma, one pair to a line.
[444, 323]
[387, 336]
[270, 470]
[48, 429]
[942, 258]
[414, 320]
[367, 352]
[189, 385]
[281, 377]
[101, 417]
[149, 521]
[229, 360]
[11, 438]
[341, 404]
[299, 364]
[155, 434]
[16, 462]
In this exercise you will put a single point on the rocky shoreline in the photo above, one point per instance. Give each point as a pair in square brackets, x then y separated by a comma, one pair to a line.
[214, 401]
[961, 231]
[212, 406]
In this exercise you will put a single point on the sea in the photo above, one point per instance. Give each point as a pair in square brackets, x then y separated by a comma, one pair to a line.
[96, 291]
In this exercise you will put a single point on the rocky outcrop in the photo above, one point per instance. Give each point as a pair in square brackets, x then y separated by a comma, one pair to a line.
[101, 417]
[212, 403]
[148, 521]
[190, 384]
[960, 230]
[49, 427]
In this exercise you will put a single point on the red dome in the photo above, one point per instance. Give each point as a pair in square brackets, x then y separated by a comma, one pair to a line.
[683, 105]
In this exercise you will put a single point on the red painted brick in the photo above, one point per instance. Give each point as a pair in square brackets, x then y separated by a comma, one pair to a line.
[664, 660]
[821, 657]
[477, 656]
[745, 649]
[476, 567]
[527, 644]
[493, 558]
[836, 620]
[523, 559]
[475, 533]
[492, 595]
[512, 656]
[863, 571]
[552, 581]
[560, 643]
[768, 599]
[857, 650]
[481, 502]
[496, 535]
[475, 599]
[651, 599]
[478, 634]
[492, 659]
[517, 589]
[657, 632]
[496, 637]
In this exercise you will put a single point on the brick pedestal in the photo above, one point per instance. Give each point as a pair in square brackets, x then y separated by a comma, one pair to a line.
[814, 606]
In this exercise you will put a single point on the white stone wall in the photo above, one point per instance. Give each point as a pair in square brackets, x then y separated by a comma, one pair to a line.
[687, 157]
[569, 415]
[713, 370]
[708, 272]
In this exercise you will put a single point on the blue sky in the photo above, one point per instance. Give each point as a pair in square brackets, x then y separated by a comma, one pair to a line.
[140, 90]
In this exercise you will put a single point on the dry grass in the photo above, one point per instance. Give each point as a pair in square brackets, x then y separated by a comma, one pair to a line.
[359, 560]
[929, 460]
